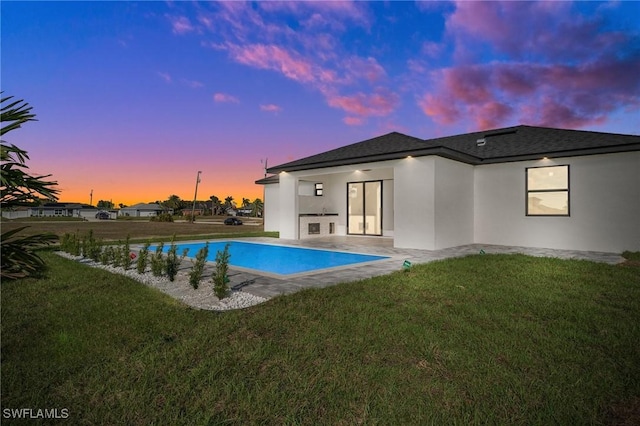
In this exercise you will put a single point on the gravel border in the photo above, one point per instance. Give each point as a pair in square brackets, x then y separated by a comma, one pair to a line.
[180, 289]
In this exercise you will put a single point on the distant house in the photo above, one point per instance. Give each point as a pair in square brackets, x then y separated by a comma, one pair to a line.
[16, 213]
[144, 210]
[246, 210]
[517, 186]
[63, 210]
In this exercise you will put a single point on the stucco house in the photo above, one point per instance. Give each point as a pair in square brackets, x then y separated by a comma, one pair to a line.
[519, 186]
[144, 210]
[64, 210]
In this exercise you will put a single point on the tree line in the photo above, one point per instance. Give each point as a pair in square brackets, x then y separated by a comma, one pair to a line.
[213, 206]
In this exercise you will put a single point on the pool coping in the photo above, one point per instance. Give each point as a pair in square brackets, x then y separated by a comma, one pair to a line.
[275, 275]
[262, 285]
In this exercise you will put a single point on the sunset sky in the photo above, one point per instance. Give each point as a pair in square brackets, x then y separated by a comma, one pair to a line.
[134, 98]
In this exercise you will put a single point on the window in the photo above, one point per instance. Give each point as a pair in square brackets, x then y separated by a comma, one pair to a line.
[319, 187]
[548, 191]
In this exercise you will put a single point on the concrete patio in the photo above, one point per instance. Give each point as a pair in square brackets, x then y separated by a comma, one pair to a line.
[268, 285]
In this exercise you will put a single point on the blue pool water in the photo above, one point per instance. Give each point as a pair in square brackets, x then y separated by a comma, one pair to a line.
[281, 260]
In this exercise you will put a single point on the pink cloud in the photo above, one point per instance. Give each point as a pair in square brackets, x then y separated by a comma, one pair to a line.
[270, 108]
[553, 30]
[441, 109]
[368, 69]
[165, 76]
[353, 121]
[225, 98]
[552, 95]
[432, 49]
[191, 83]
[273, 58]
[380, 103]
[562, 70]
[327, 14]
[181, 24]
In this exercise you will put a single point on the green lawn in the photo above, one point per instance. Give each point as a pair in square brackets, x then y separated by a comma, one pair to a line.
[494, 339]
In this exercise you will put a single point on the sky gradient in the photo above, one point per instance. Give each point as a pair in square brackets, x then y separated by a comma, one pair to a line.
[134, 98]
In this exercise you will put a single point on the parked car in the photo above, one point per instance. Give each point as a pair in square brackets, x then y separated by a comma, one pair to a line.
[232, 221]
[103, 215]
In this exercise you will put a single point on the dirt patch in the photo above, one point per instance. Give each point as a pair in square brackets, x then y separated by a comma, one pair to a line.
[625, 413]
[631, 264]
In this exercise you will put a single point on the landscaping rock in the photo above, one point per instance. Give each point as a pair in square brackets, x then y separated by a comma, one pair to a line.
[180, 289]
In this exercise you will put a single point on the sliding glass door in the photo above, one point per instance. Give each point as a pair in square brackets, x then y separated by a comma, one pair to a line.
[364, 208]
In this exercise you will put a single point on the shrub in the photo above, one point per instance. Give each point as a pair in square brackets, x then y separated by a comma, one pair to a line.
[125, 253]
[143, 259]
[162, 217]
[70, 243]
[219, 277]
[65, 242]
[157, 261]
[91, 247]
[117, 256]
[107, 255]
[173, 261]
[198, 266]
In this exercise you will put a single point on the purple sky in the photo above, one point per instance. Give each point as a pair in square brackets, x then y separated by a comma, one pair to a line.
[133, 98]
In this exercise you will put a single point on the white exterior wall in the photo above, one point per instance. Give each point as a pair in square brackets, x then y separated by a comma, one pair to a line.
[288, 210]
[15, 214]
[334, 198]
[388, 213]
[271, 205]
[432, 203]
[453, 203]
[414, 191]
[604, 205]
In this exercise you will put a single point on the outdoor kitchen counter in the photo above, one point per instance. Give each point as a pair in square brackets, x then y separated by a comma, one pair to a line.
[317, 224]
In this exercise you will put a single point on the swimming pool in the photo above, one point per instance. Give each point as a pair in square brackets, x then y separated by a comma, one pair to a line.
[274, 259]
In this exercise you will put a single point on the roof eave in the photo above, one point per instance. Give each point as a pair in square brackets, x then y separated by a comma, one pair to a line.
[439, 151]
[563, 154]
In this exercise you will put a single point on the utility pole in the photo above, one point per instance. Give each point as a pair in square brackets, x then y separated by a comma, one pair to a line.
[193, 209]
[91, 198]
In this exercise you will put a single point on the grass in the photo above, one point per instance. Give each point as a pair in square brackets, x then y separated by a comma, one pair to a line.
[140, 231]
[44, 219]
[494, 339]
[632, 255]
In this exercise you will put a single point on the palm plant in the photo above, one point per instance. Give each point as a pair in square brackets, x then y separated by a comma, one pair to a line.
[228, 202]
[258, 207]
[216, 205]
[18, 187]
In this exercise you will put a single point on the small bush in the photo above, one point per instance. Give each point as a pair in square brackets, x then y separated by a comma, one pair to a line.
[143, 259]
[219, 277]
[126, 254]
[91, 247]
[162, 217]
[70, 243]
[117, 256]
[198, 266]
[107, 255]
[172, 262]
[157, 261]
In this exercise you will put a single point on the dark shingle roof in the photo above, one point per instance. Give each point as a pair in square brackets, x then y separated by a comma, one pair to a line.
[392, 144]
[501, 145]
